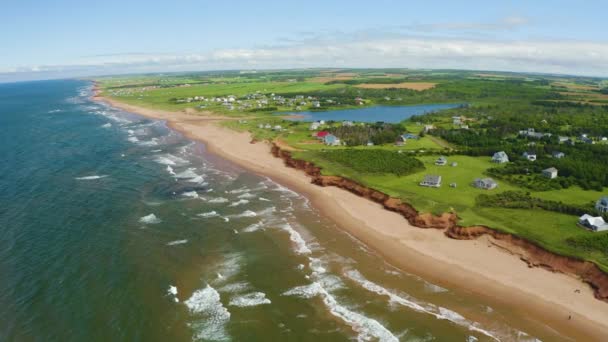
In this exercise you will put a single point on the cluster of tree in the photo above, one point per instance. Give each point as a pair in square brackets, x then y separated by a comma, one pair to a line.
[584, 165]
[374, 161]
[378, 133]
[523, 200]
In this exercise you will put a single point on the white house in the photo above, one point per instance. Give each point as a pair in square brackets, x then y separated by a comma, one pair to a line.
[500, 157]
[602, 204]
[485, 183]
[315, 126]
[558, 155]
[331, 140]
[550, 173]
[596, 224]
[431, 181]
[531, 156]
[441, 161]
[428, 128]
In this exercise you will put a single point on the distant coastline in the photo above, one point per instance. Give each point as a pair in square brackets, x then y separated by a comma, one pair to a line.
[486, 266]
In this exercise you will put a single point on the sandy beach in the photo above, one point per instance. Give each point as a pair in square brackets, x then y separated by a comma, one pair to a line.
[484, 266]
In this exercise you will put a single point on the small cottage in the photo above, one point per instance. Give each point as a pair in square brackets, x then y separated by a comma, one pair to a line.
[441, 161]
[558, 155]
[431, 181]
[594, 223]
[331, 140]
[531, 156]
[500, 157]
[602, 204]
[485, 183]
[550, 173]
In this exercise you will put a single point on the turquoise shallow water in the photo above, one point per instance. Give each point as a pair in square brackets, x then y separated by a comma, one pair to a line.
[115, 228]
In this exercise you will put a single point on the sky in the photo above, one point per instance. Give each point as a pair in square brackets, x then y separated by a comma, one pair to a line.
[43, 39]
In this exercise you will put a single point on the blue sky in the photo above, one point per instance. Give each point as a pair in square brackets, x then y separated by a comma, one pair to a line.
[62, 38]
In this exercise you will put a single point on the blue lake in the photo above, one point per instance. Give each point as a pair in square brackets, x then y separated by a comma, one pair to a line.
[391, 114]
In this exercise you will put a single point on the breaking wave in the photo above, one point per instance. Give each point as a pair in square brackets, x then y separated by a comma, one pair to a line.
[150, 219]
[91, 177]
[177, 242]
[367, 328]
[250, 299]
[205, 303]
[440, 313]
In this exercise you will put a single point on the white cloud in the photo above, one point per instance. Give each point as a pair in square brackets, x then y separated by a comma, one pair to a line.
[568, 57]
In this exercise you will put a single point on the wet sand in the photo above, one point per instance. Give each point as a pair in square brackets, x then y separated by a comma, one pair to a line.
[483, 267]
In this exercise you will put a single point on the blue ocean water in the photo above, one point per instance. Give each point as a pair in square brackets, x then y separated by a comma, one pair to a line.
[115, 228]
[391, 114]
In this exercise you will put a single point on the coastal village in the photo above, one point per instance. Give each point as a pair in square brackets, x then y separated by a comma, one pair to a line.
[484, 162]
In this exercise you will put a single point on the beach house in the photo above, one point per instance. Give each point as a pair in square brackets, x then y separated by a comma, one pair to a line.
[531, 156]
[432, 181]
[331, 140]
[485, 183]
[321, 135]
[441, 161]
[594, 223]
[550, 173]
[602, 204]
[500, 157]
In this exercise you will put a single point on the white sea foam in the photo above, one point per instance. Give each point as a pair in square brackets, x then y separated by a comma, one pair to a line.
[206, 304]
[366, 328]
[54, 111]
[230, 266]
[267, 211]
[296, 238]
[130, 131]
[151, 142]
[239, 190]
[246, 213]
[218, 200]
[434, 288]
[133, 139]
[150, 219]
[187, 174]
[177, 242]
[317, 266]
[169, 159]
[190, 194]
[107, 125]
[440, 313]
[165, 161]
[239, 202]
[264, 199]
[91, 177]
[170, 170]
[235, 287]
[212, 213]
[253, 227]
[250, 299]
[246, 195]
[172, 292]
[156, 151]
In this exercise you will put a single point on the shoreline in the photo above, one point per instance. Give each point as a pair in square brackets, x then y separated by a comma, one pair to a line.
[482, 266]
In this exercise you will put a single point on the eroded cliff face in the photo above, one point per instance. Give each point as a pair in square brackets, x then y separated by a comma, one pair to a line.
[532, 254]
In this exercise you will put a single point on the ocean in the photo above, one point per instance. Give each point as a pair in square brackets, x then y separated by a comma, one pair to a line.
[115, 228]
